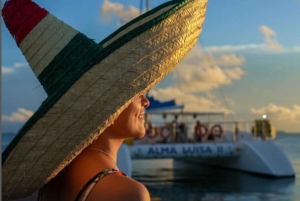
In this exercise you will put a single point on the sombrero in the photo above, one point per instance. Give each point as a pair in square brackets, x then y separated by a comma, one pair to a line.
[88, 84]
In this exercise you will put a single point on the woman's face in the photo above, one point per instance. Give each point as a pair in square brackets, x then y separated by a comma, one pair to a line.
[131, 122]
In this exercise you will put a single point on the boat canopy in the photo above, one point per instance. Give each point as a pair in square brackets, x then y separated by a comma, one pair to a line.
[156, 105]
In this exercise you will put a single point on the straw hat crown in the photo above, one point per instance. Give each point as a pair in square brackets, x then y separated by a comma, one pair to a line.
[88, 84]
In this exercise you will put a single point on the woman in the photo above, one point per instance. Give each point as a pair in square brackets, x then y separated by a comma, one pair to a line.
[95, 98]
[102, 155]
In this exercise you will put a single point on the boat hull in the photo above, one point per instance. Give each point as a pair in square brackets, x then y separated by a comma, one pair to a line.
[258, 157]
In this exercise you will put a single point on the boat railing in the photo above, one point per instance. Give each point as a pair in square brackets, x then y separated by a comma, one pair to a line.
[189, 131]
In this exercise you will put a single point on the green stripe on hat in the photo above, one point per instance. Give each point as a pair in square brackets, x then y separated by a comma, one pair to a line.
[73, 59]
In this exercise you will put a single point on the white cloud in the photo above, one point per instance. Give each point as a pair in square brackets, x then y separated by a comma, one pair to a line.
[8, 70]
[270, 38]
[109, 9]
[202, 71]
[256, 48]
[283, 118]
[270, 45]
[279, 112]
[202, 57]
[292, 49]
[20, 65]
[21, 115]
[229, 101]
[233, 48]
[210, 95]
[202, 79]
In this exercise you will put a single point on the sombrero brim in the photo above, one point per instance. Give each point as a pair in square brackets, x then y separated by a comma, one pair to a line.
[126, 64]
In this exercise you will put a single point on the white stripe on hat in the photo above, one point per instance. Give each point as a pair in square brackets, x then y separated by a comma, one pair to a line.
[51, 35]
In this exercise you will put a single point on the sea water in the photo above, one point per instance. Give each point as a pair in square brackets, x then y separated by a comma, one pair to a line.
[204, 183]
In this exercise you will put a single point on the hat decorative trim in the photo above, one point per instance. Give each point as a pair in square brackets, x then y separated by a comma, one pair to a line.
[45, 41]
[16, 22]
[53, 40]
[38, 30]
[85, 95]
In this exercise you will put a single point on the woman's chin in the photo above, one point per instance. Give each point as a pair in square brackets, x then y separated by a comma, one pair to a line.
[140, 135]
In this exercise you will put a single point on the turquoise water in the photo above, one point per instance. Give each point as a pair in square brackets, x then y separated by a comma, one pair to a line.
[191, 183]
[204, 183]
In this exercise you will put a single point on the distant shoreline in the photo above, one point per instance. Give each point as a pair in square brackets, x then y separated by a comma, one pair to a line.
[288, 133]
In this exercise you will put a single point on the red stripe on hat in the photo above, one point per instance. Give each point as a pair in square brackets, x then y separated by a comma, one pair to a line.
[20, 19]
[11, 7]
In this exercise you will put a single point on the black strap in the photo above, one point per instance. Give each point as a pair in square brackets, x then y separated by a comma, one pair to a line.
[91, 181]
[40, 194]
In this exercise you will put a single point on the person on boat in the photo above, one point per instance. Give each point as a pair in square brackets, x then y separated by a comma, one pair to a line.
[236, 131]
[197, 136]
[182, 134]
[210, 137]
[68, 148]
[175, 129]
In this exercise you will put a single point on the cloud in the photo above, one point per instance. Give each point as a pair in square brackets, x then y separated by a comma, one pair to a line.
[283, 118]
[210, 95]
[270, 39]
[20, 65]
[204, 58]
[191, 102]
[256, 48]
[201, 71]
[109, 10]
[21, 115]
[229, 101]
[7, 70]
[205, 79]
[233, 48]
[12, 69]
[270, 45]
[279, 113]
[292, 49]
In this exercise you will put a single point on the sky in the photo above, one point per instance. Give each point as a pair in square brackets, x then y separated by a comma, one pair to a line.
[246, 62]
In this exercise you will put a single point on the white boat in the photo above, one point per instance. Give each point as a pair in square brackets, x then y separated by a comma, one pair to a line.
[221, 145]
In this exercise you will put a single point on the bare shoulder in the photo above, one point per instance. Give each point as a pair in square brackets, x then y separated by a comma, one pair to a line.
[115, 187]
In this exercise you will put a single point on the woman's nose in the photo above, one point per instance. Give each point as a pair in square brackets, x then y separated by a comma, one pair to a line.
[145, 101]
